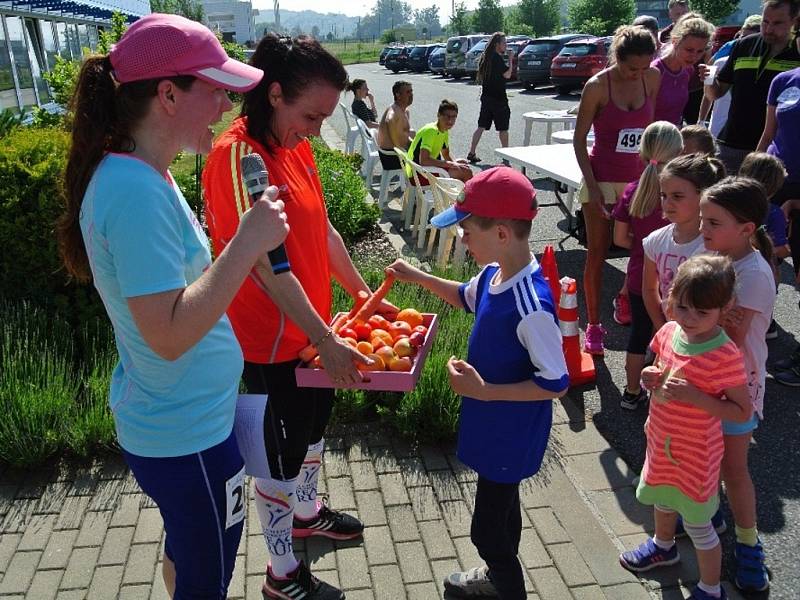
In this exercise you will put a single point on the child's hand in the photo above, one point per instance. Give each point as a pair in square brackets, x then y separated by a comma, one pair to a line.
[464, 379]
[404, 271]
[651, 377]
[681, 390]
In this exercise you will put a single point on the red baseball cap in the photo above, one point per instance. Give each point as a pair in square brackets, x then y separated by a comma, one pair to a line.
[160, 45]
[496, 193]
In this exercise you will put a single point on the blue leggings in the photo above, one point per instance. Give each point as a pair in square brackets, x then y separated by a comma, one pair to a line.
[202, 500]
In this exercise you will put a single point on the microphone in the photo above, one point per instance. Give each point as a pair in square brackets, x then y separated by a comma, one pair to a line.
[256, 180]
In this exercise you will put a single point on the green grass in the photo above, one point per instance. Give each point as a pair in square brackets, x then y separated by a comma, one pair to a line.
[353, 52]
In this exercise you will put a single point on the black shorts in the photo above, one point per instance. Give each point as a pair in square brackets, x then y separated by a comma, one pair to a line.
[389, 161]
[494, 110]
[641, 326]
[295, 417]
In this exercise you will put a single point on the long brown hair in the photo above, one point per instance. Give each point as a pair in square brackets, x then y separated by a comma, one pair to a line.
[103, 115]
[485, 65]
[294, 63]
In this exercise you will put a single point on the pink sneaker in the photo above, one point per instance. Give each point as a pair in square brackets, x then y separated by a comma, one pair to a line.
[622, 309]
[593, 339]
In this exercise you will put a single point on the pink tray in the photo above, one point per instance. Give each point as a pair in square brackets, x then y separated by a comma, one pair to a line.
[388, 381]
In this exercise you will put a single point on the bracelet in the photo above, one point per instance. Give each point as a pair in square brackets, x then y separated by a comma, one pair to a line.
[325, 336]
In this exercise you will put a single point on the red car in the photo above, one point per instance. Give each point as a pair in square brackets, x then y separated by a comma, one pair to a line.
[577, 62]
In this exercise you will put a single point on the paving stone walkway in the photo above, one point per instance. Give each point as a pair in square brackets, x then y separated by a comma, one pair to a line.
[87, 531]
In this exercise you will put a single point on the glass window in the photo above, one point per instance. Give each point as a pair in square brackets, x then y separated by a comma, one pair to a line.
[22, 61]
[542, 47]
[49, 42]
[63, 40]
[37, 58]
[8, 93]
[92, 30]
[83, 35]
[72, 40]
[578, 49]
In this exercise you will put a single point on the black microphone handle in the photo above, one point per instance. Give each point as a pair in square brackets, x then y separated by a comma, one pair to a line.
[277, 257]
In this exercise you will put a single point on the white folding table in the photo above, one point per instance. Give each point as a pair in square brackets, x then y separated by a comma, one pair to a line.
[566, 136]
[556, 162]
[548, 117]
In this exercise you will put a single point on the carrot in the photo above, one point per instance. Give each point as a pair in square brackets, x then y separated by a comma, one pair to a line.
[308, 353]
[371, 305]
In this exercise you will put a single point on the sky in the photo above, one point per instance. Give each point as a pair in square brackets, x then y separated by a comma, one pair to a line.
[354, 8]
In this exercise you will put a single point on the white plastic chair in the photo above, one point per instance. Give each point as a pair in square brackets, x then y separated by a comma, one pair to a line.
[445, 191]
[386, 179]
[369, 151]
[352, 129]
[419, 202]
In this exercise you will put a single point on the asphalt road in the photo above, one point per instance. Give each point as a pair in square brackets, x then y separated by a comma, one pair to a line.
[776, 447]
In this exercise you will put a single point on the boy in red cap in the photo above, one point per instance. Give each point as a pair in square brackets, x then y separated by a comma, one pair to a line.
[514, 367]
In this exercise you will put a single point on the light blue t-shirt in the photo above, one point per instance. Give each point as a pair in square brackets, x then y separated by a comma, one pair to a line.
[142, 238]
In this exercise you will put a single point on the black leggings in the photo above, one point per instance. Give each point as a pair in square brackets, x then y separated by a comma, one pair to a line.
[294, 419]
[496, 531]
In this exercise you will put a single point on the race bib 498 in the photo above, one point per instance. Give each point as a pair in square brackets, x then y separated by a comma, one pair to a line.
[628, 140]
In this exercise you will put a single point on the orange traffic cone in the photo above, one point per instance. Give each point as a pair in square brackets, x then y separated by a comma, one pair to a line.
[550, 272]
[579, 364]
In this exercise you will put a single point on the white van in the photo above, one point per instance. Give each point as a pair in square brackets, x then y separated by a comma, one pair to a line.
[456, 51]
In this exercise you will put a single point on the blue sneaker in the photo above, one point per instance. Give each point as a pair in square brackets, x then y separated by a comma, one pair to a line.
[699, 594]
[648, 556]
[718, 521]
[751, 571]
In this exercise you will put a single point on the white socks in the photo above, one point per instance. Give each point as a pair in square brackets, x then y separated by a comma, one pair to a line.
[275, 501]
[663, 544]
[306, 495]
[712, 590]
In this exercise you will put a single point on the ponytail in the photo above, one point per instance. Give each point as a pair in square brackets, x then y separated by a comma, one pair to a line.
[746, 200]
[103, 114]
[701, 170]
[92, 110]
[661, 142]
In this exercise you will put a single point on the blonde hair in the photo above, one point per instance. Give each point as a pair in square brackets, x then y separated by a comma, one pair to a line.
[691, 24]
[661, 142]
[766, 169]
[700, 137]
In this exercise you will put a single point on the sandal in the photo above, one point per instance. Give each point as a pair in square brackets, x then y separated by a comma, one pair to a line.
[472, 158]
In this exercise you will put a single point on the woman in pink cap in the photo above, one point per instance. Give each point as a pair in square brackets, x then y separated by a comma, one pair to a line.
[127, 227]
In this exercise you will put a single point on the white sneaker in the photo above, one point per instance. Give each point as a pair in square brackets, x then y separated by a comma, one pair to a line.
[474, 583]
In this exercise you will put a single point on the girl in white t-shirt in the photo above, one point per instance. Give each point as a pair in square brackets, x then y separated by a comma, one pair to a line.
[682, 181]
[733, 212]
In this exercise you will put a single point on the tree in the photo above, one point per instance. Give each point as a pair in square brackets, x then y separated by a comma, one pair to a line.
[315, 32]
[599, 17]
[488, 17]
[715, 10]
[191, 9]
[426, 20]
[386, 14]
[542, 16]
[459, 21]
[515, 26]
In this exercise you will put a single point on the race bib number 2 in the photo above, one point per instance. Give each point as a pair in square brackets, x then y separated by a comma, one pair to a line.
[235, 499]
[628, 140]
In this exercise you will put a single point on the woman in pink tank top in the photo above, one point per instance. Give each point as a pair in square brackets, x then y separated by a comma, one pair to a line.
[619, 103]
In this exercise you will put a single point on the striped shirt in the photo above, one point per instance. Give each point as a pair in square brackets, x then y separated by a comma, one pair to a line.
[684, 443]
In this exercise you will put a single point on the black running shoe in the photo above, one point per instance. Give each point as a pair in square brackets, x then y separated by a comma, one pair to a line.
[328, 523]
[772, 331]
[631, 401]
[301, 585]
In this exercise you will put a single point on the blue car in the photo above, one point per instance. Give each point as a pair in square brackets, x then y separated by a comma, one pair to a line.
[436, 61]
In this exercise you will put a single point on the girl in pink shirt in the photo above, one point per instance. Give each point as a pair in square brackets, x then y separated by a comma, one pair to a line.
[697, 380]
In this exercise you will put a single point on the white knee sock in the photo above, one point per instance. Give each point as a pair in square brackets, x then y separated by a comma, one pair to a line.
[306, 495]
[275, 502]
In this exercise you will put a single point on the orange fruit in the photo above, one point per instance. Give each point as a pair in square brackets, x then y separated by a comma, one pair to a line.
[386, 353]
[411, 316]
[402, 363]
[365, 348]
[377, 364]
[382, 334]
[378, 322]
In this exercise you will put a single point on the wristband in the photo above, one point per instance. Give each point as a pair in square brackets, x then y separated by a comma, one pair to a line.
[325, 336]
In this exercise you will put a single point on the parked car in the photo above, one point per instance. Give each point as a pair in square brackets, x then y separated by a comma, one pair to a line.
[397, 59]
[534, 61]
[436, 61]
[382, 55]
[472, 57]
[457, 48]
[418, 57]
[515, 46]
[577, 62]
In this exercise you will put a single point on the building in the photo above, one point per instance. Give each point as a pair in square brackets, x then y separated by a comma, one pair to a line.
[658, 9]
[34, 32]
[234, 19]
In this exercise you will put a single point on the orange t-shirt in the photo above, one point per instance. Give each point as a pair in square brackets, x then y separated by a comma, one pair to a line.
[265, 333]
[684, 443]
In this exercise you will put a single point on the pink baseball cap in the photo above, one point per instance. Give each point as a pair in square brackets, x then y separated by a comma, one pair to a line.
[496, 193]
[160, 45]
